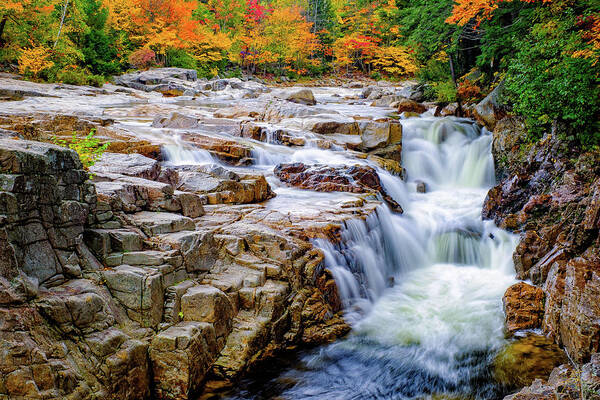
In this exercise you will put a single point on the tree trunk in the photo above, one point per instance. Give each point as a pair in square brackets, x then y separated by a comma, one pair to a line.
[2, 26]
[62, 21]
[459, 110]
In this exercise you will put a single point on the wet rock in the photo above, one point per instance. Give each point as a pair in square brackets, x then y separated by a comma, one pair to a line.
[527, 359]
[523, 307]
[227, 150]
[410, 106]
[334, 126]
[302, 96]
[218, 190]
[176, 121]
[354, 179]
[421, 187]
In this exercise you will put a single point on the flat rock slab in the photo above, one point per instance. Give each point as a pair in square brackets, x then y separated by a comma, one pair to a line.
[156, 223]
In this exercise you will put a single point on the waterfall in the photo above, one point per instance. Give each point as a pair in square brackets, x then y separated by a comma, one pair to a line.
[421, 290]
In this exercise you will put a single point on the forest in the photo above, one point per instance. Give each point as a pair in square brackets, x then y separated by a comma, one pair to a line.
[545, 53]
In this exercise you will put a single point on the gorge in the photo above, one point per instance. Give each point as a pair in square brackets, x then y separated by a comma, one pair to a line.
[235, 222]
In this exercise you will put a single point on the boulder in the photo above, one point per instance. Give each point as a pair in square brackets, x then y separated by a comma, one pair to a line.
[302, 96]
[490, 110]
[523, 307]
[410, 106]
[354, 179]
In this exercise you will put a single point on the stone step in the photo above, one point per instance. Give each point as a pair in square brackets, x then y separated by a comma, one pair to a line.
[156, 223]
[145, 258]
[106, 241]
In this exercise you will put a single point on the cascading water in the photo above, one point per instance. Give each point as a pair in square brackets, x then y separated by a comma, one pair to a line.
[422, 290]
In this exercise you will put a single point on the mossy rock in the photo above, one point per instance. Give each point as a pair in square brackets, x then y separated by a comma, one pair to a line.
[522, 361]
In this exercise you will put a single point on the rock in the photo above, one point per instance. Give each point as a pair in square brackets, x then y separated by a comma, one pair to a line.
[208, 304]
[410, 106]
[378, 134]
[218, 190]
[523, 307]
[354, 85]
[181, 356]
[127, 164]
[176, 121]
[157, 79]
[302, 96]
[335, 126]
[490, 110]
[227, 150]
[421, 187]
[571, 311]
[354, 179]
[388, 100]
[527, 359]
[139, 290]
[156, 223]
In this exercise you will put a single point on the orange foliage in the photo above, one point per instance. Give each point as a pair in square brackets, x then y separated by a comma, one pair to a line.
[478, 10]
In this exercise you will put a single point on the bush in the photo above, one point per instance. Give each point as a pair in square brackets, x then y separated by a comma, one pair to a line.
[75, 76]
[547, 83]
[142, 58]
[443, 92]
[88, 148]
[180, 59]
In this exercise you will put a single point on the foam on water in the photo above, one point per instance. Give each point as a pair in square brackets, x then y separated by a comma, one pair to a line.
[422, 290]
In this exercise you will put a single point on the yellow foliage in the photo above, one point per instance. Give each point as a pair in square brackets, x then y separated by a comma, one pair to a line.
[397, 61]
[34, 60]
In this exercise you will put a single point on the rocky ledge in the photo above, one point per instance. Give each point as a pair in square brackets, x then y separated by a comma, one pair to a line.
[549, 193]
[149, 279]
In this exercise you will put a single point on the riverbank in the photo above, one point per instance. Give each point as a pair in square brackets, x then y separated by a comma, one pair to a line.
[197, 239]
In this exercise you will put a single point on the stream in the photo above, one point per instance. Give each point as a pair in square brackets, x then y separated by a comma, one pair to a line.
[422, 290]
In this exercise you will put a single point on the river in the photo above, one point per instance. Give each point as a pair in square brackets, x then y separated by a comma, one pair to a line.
[422, 290]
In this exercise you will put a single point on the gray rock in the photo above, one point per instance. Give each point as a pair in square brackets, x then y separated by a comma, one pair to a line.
[127, 164]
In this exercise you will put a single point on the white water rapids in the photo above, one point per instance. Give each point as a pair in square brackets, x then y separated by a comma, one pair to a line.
[422, 290]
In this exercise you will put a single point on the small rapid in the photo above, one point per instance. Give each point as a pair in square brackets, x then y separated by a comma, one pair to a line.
[422, 290]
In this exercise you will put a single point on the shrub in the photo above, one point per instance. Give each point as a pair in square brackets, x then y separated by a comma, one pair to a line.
[181, 59]
[547, 83]
[75, 76]
[142, 58]
[34, 60]
[88, 147]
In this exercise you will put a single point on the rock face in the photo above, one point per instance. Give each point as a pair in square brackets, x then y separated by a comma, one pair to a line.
[549, 194]
[143, 274]
[523, 307]
[354, 179]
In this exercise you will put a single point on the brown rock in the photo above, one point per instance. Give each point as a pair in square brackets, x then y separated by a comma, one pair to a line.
[523, 307]
[527, 359]
[354, 179]
[410, 106]
[181, 356]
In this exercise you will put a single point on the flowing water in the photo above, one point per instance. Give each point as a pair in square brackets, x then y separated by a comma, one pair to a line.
[422, 290]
